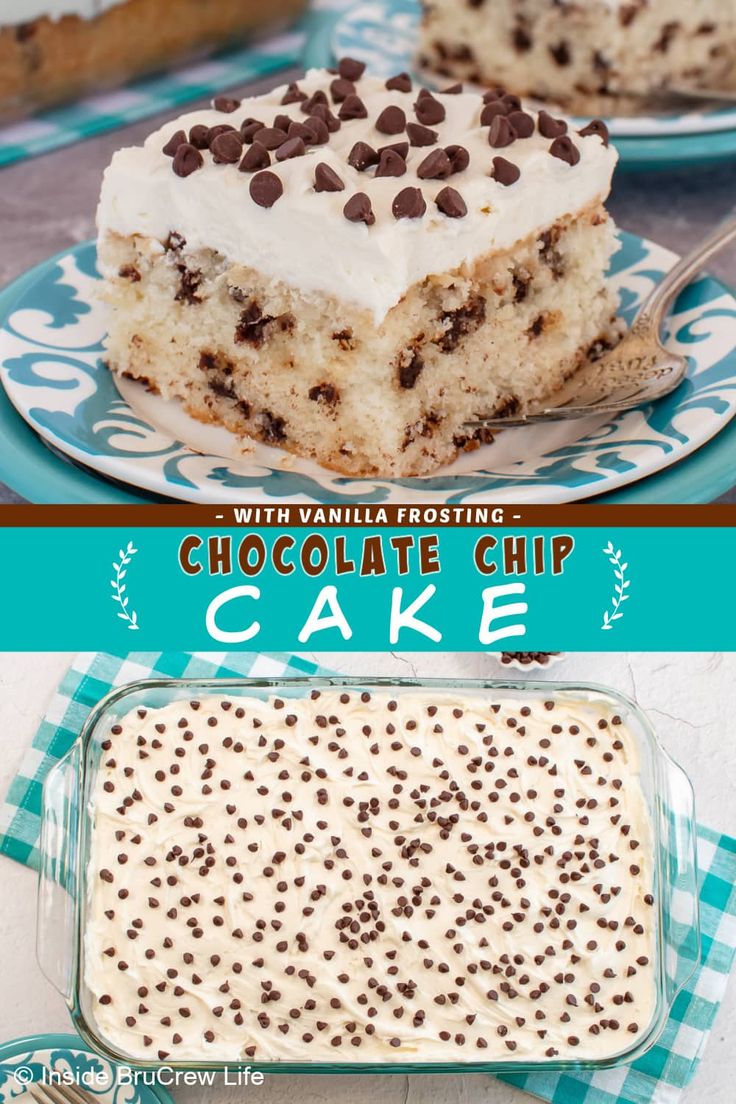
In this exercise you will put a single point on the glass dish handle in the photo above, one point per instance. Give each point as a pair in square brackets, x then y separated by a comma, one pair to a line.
[681, 911]
[58, 881]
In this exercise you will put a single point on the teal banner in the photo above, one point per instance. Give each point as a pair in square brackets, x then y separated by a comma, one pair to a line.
[367, 589]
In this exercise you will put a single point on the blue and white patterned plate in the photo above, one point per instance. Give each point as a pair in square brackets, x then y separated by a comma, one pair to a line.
[51, 365]
[385, 34]
[28, 1060]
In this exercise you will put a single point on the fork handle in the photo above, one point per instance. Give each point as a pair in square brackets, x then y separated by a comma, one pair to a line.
[655, 307]
[719, 95]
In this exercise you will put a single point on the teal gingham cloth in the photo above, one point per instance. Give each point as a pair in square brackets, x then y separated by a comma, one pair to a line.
[106, 111]
[657, 1078]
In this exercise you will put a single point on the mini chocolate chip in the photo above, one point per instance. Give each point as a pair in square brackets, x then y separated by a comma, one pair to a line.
[409, 204]
[270, 137]
[299, 130]
[293, 147]
[362, 156]
[249, 128]
[550, 127]
[352, 108]
[596, 126]
[501, 133]
[293, 94]
[435, 166]
[256, 157]
[566, 150]
[227, 149]
[199, 136]
[358, 209]
[326, 179]
[212, 133]
[325, 393]
[459, 157]
[451, 203]
[187, 160]
[340, 89]
[322, 111]
[317, 130]
[226, 104]
[491, 111]
[174, 142]
[315, 100]
[400, 83]
[428, 110]
[505, 172]
[421, 135]
[390, 164]
[523, 124]
[266, 189]
[350, 69]
[392, 120]
[402, 148]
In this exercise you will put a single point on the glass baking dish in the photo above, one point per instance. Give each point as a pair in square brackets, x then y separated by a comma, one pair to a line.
[91, 46]
[66, 832]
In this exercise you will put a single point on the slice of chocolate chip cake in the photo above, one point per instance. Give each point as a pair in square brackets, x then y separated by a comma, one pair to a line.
[363, 877]
[352, 268]
[587, 55]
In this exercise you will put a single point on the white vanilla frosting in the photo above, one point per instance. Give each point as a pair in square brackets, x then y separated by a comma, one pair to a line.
[304, 239]
[13, 12]
[347, 877]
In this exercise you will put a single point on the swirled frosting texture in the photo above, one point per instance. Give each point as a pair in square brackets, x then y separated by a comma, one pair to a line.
[351, 877]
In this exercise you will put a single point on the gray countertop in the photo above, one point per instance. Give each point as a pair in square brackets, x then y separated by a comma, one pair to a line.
[48, 203]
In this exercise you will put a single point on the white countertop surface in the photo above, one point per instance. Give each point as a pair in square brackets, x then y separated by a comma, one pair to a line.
[691, 700]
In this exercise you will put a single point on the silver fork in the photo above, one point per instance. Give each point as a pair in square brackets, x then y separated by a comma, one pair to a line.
[672, 97]
[639, 370]
[53, 1093]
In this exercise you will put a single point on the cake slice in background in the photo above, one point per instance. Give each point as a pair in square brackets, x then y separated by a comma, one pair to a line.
[351, 268]
[590, 56]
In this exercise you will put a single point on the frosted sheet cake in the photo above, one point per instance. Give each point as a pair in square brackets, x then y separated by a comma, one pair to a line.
[355, 877]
